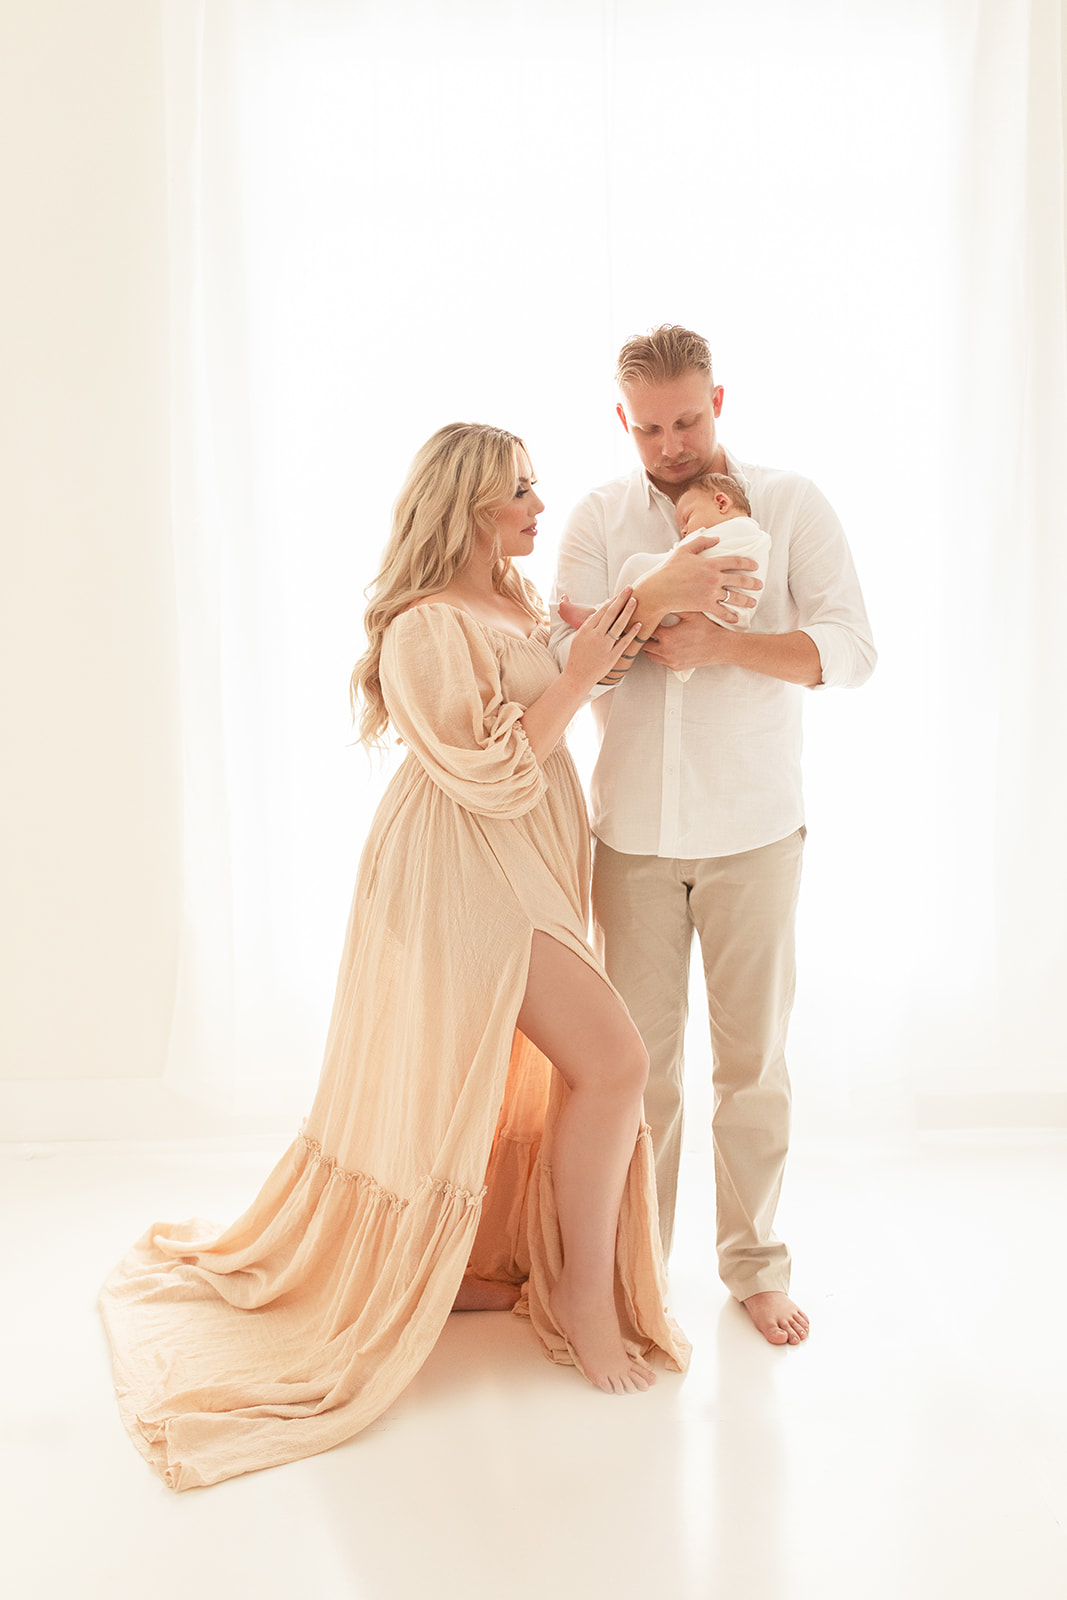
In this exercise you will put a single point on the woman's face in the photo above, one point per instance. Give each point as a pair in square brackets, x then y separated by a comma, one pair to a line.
[516, 522]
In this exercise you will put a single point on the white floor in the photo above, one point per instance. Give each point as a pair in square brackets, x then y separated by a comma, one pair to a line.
[916, 1447]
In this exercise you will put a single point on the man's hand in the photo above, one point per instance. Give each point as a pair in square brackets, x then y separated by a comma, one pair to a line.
[691, 581]
[694, 641]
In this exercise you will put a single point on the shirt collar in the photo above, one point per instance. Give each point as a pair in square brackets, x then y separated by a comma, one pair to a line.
[646, 483]
[736, 470]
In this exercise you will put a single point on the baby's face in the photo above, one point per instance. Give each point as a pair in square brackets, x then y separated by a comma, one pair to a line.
[702, 508]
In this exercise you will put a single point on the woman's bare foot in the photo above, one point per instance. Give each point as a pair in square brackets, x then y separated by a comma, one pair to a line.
[480, 1294]
[779, 1319]
[592, 1333]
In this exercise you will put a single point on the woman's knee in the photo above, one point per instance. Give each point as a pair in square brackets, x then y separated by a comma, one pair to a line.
[623, 1067]
[640, 1064]
[571, 1014]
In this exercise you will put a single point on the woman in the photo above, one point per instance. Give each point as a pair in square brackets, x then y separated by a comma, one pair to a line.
[444, 1160]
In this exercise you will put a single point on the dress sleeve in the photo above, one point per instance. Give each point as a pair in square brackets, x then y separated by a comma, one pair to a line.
[441, 683]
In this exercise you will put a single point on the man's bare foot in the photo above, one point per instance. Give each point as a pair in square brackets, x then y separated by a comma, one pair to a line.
[779, 1319]
[592, 1334]
[480, 1294]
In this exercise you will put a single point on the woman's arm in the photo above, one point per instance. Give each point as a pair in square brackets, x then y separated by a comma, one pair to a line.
[574, 615]
[600, 641]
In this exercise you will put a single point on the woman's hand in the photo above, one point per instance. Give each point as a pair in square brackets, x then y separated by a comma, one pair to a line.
[601, 640]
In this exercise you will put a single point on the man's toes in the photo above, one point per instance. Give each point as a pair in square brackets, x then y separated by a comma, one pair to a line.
[777, 1335]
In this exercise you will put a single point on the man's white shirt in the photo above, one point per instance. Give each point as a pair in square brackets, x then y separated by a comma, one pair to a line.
[711, 767]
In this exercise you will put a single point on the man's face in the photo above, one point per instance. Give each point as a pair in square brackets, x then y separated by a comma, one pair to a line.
[672, 426]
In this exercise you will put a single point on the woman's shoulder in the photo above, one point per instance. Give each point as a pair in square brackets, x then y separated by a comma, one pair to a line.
[437, 626]
[451, 613]
[434, 646]
[434, 611]
[427, 602]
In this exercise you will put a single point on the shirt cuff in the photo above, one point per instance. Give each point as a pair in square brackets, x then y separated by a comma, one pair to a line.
[846, 659]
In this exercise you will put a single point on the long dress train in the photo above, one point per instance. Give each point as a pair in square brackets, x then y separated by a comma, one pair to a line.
[428, 1149]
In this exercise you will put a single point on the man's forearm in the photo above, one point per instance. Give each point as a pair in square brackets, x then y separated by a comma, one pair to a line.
[699, 642]
[792, 657]
[691, 578]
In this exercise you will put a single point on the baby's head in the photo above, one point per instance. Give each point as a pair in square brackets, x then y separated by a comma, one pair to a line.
[710, 499]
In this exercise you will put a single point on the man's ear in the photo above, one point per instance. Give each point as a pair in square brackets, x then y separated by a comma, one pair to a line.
[716, 399]
[621, 414]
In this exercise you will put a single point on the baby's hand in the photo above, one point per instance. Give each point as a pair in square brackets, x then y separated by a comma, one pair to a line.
[573, 615]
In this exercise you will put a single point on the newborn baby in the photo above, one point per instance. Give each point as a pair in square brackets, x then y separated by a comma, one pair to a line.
[713, 504]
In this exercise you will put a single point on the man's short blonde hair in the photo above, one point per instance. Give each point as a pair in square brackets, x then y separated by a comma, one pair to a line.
[713, 482]
[665, 353]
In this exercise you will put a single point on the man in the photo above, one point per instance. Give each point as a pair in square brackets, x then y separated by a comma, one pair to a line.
[696, 795]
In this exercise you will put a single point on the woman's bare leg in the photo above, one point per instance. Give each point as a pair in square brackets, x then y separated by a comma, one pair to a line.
[574, 1019]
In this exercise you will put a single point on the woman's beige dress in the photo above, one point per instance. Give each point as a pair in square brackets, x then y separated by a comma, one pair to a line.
[429, 1144]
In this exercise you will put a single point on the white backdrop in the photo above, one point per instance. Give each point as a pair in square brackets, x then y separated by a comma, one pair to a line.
[384, 219]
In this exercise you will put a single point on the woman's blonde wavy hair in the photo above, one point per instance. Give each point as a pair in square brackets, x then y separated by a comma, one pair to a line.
[460, 478]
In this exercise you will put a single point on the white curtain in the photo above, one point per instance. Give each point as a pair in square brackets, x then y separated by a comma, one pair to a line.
[387, 218]
[1007, 672]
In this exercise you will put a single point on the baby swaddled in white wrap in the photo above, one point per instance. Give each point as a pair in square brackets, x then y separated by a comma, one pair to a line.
[715, 505]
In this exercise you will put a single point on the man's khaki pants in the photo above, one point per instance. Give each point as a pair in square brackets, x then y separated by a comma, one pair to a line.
[743, 908]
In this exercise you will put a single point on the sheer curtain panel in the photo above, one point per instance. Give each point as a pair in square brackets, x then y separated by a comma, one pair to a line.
[386, 218]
